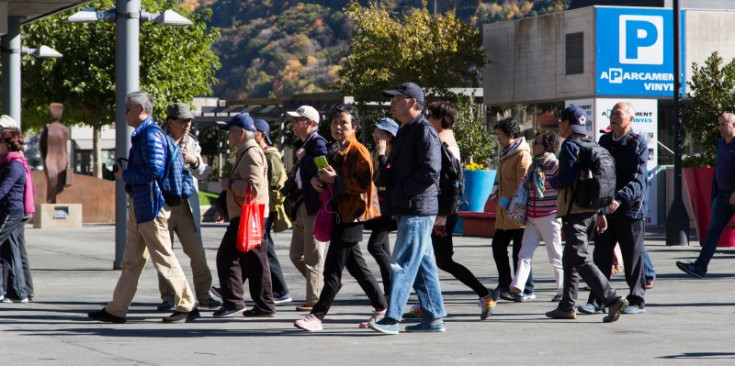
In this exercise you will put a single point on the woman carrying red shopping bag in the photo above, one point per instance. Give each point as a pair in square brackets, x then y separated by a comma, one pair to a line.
[348, 175]
[247, 185]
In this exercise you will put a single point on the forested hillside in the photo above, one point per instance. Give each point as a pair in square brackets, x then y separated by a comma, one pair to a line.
[281, 47]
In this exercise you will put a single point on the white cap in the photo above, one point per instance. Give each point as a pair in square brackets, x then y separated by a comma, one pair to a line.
[8, 122]
[306, 111]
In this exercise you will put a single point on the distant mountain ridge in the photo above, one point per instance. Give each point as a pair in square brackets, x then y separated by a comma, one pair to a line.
[281, 47]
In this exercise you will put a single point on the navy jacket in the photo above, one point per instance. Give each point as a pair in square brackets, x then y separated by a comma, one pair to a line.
[412, 174]
[314, 146]
[631, 159]
[146, 163]
[12, 185]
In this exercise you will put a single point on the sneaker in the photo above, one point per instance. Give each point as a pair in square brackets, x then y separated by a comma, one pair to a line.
[225, 313]
[258, 313]
[104, 316]
[556, 298]
[487, 304]
[285, 299]
[590, 309]
[210, 303]
[216, 291]
[634, 309]
[531, 296]
[309, 323]
[166, 305]
[690, 269]
[374, 317]
[304, 308]
[615, 310]
[384, 326]
[183, 316]
[8, 300]
[561, 314]
[505, 295]
[436, 325]
[414, 313]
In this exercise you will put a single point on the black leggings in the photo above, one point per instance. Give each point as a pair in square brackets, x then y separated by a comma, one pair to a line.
[379, 247]
[444, 251]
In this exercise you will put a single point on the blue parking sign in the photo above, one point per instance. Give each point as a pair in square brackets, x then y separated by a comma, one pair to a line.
[635, 52]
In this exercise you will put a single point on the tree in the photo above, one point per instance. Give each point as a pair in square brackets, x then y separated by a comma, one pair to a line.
[435, 52]
[176, 64]
[711, 93]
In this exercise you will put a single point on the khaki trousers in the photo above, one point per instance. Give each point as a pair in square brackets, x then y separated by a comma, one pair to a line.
[307, 254]
[150, 238]
[182, 223]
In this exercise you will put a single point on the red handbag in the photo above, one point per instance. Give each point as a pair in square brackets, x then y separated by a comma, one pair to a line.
[250, 230]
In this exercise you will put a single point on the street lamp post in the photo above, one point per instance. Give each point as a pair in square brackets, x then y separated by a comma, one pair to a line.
[677, 221]
[11, 61]
[127, 16]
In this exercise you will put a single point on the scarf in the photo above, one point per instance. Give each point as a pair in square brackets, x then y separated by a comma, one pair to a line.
[504, 152]
[536, 175]
[28, 191]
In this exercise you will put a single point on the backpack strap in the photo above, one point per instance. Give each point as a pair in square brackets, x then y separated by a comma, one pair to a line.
[576, 174]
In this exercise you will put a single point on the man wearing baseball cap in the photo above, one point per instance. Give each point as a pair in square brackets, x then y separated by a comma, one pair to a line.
[412, 196]
[249, 176]
[577, 225]
[185, 220]
[306, 253]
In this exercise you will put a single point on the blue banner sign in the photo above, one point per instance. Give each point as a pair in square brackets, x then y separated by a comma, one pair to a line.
[635, 52]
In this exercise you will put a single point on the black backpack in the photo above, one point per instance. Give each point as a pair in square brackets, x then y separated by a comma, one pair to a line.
[595, 187]
[451, 182]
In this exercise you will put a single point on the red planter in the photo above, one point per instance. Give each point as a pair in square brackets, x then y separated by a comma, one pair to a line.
[699, 188]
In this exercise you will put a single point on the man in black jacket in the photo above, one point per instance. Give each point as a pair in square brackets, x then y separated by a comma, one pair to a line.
[412, 181]
[623, 221]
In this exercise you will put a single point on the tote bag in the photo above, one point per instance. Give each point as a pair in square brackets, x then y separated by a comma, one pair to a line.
[517, 210]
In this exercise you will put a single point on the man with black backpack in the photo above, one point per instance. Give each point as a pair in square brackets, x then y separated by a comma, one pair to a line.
[148, 214]
[623, 221]
[583, 185]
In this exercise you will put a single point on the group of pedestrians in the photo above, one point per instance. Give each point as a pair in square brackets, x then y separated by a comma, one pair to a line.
[409, 184]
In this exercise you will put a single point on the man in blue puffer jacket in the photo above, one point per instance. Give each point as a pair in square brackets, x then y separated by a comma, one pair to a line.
[147, 218]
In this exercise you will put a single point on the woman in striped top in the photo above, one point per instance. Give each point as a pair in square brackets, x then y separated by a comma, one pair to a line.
[542, 222]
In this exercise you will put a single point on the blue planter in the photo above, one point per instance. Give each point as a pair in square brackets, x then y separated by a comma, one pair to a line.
[478, 186]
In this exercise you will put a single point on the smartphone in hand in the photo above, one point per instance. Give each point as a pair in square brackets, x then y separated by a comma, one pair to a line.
[321, 162]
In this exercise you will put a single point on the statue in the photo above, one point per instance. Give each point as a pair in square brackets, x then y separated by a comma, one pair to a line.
[55, 155]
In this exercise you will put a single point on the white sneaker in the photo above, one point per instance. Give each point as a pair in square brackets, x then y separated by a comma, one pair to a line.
[531, 296]
[7, 300]
[309, 323]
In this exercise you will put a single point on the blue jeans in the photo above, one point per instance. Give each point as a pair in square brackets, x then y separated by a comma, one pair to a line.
[722, 212]
[413, 262]
[648, 269]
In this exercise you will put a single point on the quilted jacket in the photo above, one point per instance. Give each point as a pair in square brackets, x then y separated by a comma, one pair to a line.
[146, 163]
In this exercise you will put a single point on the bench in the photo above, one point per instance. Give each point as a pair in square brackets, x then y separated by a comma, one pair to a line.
[479, 223]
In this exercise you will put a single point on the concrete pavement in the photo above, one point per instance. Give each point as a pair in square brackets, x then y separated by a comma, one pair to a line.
[688, 321]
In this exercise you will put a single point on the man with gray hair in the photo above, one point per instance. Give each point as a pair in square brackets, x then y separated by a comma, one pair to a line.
[148, 214]
[249, 177]
[723, 197]
[622, 221]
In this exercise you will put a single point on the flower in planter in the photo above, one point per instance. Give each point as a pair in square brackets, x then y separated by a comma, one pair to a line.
[475, 166]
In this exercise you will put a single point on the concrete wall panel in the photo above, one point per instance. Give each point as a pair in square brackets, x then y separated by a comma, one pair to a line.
[706, 32]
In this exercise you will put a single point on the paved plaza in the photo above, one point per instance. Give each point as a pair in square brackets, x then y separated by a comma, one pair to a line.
[688, 321]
